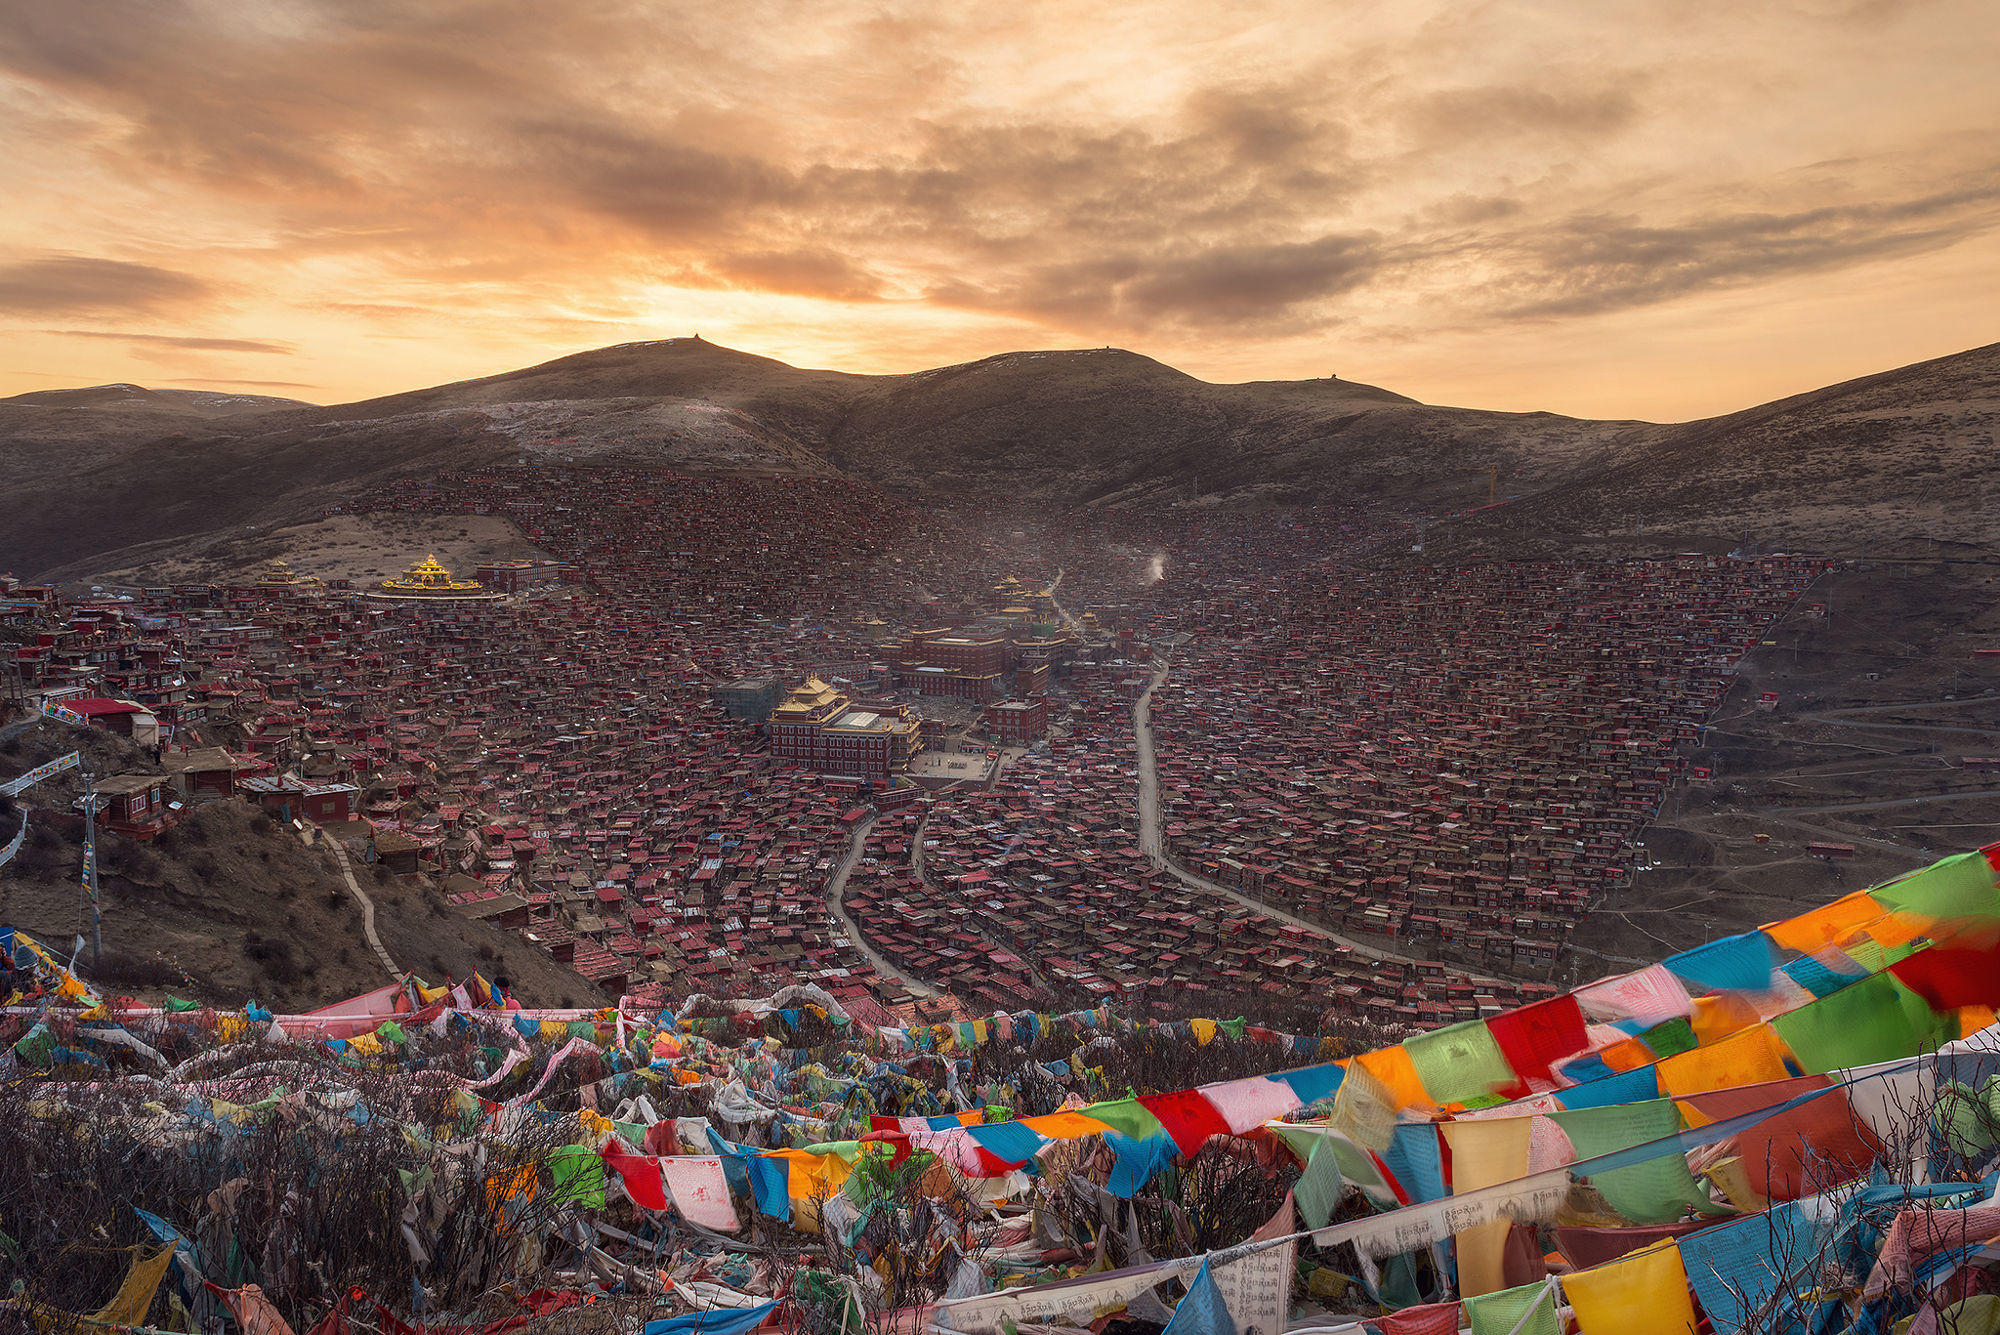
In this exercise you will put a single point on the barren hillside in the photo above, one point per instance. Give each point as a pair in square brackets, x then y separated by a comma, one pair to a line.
[104, 479]
[1870, 465]
[231, 907]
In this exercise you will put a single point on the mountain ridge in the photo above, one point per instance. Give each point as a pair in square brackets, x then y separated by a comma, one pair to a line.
[1098, 426]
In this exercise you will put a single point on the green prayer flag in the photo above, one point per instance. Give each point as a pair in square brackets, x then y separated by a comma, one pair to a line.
[1653, 1192]
[1958, 887]
[1317, 1191]
[1528, 1310]
[1128, 1117]
[579, 1177]
[1460, 1062]
[1350, 1159]
[1670, 1037]
[37, 1045]
[1963, 1120]
[1868, 954]
[1874, 1020]
[176, 1004]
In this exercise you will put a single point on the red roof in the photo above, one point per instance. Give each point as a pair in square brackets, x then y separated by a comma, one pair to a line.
[98, 707]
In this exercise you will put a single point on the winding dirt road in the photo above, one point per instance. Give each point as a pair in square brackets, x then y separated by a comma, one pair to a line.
[836, 886]
[1150, 843]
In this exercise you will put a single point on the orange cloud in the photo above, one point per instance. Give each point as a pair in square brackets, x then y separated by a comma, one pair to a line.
[395, 194]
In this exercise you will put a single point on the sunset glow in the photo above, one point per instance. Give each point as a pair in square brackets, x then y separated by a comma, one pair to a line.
[1660, 210]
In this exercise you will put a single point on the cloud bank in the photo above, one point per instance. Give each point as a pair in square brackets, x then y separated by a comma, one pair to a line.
[396, 193]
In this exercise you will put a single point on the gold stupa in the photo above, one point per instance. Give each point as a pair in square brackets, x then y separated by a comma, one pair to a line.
[430, 581]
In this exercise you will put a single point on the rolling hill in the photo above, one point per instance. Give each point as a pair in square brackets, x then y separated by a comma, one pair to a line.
[1876, 464]
[101, 477]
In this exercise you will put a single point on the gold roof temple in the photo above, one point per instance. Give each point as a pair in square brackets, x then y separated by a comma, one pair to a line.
[427, 580]
[279, 575]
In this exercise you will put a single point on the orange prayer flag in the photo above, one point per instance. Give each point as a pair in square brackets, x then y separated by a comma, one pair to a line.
[1897, 929]
[1398, 1074]
[1825, 925]
[1719, 1016]
[1065, 1125]
[1626, 1055]
[1749, 1057]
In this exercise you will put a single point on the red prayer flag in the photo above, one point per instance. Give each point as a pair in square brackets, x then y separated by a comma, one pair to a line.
[662, 1137]
[1795, 1153]
[641, 1175]
[1952, 975]
[1187, 1116]
[1534, 1037]
[1432, 1319]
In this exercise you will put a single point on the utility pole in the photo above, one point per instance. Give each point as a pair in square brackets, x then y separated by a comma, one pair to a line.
[90, 869]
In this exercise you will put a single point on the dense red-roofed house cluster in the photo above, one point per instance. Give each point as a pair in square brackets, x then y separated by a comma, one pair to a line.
[1446, 764]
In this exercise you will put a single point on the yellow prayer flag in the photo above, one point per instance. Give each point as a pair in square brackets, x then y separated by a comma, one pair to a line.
[128, 1307]
[1732, 1176]
[810, 1179]
[1204, 1032]
[1644, 1293]
[1485, 1151]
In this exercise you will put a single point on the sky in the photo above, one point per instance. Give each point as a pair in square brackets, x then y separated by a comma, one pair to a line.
[1662, 209]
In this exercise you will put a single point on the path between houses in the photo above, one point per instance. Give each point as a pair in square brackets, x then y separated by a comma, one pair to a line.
[836, 885]
[367, 907]
[1150, 842]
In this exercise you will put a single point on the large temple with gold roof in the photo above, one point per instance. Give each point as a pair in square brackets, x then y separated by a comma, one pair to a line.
[429, 582]
[819, 727]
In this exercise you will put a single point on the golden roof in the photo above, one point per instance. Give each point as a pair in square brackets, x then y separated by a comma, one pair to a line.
[427, 576]
[810, 697]
[279, 574]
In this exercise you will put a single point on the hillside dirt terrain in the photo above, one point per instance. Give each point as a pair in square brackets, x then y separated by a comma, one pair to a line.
[361, 548]
[1880, 703]
[99, 479]
[231, 906]
[1884, 465]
